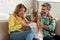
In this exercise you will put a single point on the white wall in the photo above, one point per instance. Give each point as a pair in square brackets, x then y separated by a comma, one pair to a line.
[50, 0]
[55, 10]
[8, 6]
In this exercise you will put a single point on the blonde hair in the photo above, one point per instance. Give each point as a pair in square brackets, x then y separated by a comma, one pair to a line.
[39, 23]
[37, 16]
[18, 7]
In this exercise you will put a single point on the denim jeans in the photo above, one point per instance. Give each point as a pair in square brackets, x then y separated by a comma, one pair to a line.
[26, 35]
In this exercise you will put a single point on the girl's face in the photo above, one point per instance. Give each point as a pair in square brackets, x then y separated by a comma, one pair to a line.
[33, 19]
[22, 12]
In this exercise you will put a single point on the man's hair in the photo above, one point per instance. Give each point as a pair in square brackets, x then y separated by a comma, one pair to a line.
[47, 5]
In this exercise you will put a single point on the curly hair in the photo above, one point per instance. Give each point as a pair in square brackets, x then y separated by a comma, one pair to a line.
[37, 16]
[18, 7]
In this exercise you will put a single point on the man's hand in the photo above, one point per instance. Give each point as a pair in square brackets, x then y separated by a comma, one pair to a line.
[45, 27]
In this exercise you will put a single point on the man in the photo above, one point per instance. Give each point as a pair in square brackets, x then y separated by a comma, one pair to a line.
[47, 21]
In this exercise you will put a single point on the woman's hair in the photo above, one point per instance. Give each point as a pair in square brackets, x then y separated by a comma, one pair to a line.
[37, 16]
[18, 7]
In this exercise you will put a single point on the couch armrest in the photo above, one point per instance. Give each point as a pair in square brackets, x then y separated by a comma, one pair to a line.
[3, 30]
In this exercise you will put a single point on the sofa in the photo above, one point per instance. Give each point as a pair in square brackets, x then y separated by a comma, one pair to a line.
[4, 29]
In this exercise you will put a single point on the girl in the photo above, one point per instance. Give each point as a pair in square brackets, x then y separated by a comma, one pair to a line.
[36, 25]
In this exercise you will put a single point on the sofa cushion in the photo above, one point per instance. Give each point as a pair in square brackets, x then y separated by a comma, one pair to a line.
[57, 30]
[3, 30]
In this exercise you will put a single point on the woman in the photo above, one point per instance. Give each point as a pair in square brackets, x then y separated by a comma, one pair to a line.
[16, 24]
[36, 25]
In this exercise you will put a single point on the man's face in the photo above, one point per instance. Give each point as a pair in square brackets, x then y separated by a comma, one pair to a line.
[44, 10]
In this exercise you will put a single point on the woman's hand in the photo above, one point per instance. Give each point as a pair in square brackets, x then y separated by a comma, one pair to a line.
[26, 26]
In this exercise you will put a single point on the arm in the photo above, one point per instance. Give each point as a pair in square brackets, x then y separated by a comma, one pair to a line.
[24, 23]
[26, 20]
[28, 17]
[12, 24]
[26, 26]
[50, 27]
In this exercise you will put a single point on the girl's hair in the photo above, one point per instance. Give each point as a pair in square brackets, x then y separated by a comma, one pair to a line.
[37, 16]
[18, 7]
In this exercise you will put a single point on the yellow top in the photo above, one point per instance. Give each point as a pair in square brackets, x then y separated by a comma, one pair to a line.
[15, 24]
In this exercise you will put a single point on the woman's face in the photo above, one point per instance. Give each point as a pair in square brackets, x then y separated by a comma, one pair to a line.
[22, 12]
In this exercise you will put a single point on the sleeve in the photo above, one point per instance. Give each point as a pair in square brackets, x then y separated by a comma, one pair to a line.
[28, 17]
[52, 25]
[33, 25]
[12, 24]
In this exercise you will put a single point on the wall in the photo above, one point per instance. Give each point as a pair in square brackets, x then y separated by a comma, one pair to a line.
[55, 10]
[8, 6]
[50, 0]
